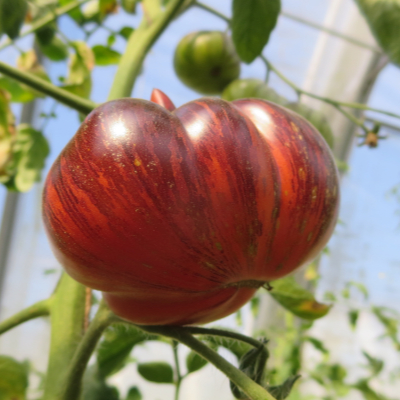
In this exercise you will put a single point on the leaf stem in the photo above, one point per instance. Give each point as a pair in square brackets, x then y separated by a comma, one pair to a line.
[211, 10]
[39, 309]
[73, 381]
[247, 385]
[41, 22]
[139, 44]
[179, 378]
[63, 96]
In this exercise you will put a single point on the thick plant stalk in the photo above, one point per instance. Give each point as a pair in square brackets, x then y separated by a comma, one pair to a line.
[39, 309]
[139, 44]
[63, 96]
[67, 322]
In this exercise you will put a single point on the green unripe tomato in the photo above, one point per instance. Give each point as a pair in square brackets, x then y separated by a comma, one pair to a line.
[251, 88]
[206, 61]
[317, 118]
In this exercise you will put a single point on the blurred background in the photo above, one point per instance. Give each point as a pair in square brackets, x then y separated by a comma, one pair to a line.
[325, 47]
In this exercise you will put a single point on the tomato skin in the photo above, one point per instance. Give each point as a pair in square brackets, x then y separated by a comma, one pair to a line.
[206, 61]
[178, 217]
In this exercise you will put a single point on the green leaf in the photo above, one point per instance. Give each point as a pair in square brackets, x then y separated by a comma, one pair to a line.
[13, 379]
[317, 344]
[126, 32]
[289, 294]
[367, 392]
[362, 288]
[158, 372]
[252, 24]
[114, 350]
[134, 394]
[353, 318]
[317, 119]
[281, 392]
[12, 15]
[375, 364]
[390, 322]
[253, 364]
[19, 93]
[107, 7]
[383, 17]
[29, 153]
[105, 56]
[96, 388]
[194, 362]
[55, 49]
[75, 14]
[79, 79]
[129, 6]
[236, 347]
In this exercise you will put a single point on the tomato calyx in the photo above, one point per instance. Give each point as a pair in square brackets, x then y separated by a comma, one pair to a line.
[251, 283]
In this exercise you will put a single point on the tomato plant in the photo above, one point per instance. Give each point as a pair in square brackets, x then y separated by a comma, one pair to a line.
[206, 61]
[178, 217]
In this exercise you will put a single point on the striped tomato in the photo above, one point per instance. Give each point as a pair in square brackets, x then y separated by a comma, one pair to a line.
[179, 215]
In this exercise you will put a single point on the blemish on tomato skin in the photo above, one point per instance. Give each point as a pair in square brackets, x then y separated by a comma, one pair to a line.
[294, 126]
[302, 174]
[218, 246]
[309, 236]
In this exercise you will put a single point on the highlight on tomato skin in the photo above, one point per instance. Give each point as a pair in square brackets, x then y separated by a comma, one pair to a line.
[179, 215]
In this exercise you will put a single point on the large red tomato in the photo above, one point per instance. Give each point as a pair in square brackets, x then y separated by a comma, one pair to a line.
[178, 216]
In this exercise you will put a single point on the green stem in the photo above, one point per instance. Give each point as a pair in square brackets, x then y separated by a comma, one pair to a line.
[211, 10]
[39, 309]
[357, 106]
[179, 378]
[67, 322]
[41, 22]
[139, 44]
[195, 330]
[63, 96]
[299, 91]
[247, 385]
[73, 381]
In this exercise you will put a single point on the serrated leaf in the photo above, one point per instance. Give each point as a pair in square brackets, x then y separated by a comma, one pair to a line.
[157, 372]
[134, 394]
[29, 153]
[114, 350]
[126, 32]
[281, 392]
[96, 388]
[12, 15]
[299, 301]
[13, 379]
[383, 17]
[252, 24]
[194, 362]
[105, 56]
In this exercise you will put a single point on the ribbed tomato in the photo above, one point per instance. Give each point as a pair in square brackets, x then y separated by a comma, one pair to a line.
[179, 216]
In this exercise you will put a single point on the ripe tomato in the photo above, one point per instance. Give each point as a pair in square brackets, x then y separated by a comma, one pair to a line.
[179, 216]
[206, 61]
